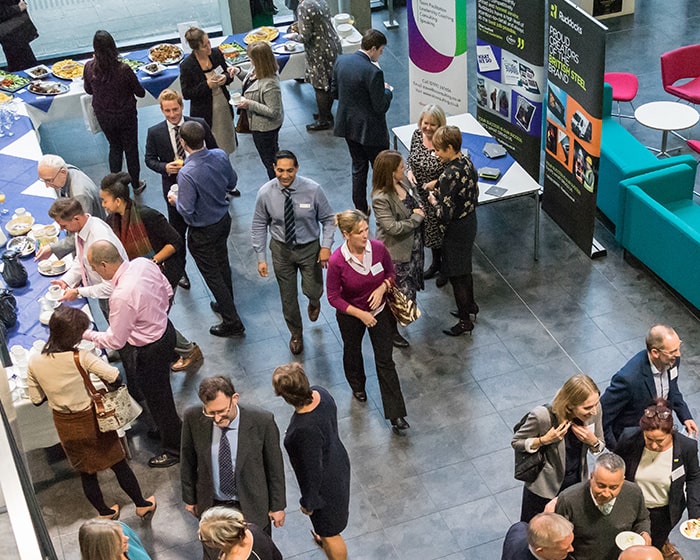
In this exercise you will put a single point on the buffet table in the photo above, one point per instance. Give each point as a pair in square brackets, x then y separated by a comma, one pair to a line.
[513, 182]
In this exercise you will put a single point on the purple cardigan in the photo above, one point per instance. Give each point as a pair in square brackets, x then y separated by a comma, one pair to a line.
[346, 287]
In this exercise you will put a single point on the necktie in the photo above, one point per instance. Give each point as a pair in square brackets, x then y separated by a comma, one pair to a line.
[290, 231]
[605, 509]
[80, 253]
[227, 477]
[180, 150]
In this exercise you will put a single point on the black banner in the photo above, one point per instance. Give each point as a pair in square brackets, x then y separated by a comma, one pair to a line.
[574, 107]
[510, 76]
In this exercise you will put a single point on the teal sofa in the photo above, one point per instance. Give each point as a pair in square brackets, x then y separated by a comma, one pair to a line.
[622, 156]
[661, 227]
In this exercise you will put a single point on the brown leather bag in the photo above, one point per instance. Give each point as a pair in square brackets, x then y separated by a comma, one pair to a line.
[243, 126]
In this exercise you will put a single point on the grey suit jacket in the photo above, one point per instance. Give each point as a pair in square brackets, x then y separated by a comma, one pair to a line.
[259, 463]
[265, 110]
[396, 225]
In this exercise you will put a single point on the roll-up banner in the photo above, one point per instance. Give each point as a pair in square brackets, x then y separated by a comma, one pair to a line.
[574, 109]
[437, 53]
[510, 76]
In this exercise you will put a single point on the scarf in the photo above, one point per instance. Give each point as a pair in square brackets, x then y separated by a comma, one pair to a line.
[132, 233]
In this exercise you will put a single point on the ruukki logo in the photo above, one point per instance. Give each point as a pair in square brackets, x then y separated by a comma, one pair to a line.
[571, 23]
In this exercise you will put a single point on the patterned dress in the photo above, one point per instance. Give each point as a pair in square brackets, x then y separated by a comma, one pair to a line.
[426, 167]
[321, 42]
[409, 275]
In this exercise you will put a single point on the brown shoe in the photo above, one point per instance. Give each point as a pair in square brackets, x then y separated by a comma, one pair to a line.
[314, 311]
[296, 344]
[670, 552]
[193, 358]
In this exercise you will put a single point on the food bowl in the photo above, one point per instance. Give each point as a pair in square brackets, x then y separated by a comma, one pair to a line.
[38, 72]
[345, 30]
[153, 68]
[342, 18]
[58, 266]
[21, 225]
[45, 267]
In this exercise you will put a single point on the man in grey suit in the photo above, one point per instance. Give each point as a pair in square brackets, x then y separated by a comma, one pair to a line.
[363, 100]
[231, 456]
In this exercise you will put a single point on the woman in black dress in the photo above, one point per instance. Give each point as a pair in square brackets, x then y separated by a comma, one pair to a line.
[226, 530]
[455, 200]
[318, 457]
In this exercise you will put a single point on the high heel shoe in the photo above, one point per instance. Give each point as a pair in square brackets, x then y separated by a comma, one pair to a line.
[460, 328]
[398, 424]
[473, 310]
[114, 516]
[146, 512]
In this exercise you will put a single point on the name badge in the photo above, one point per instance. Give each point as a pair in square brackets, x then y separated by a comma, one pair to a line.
[305, 205]
[673, 372]
[376, 268]
[677, 473]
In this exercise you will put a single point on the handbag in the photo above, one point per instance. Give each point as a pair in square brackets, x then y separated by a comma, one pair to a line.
[528, 466]
[113, 409]
[403, 308]
[243, 125]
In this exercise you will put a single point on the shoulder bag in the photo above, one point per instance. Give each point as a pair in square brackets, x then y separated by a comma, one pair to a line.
[528, 466]
[404, 309]
[114, 409]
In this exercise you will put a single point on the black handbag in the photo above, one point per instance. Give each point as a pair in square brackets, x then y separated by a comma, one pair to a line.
[528, 466]
[8, 308]
[13, 271]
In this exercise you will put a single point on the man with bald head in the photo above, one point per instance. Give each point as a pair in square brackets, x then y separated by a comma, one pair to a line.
[548, 536]
[650, 374]
[639, 552]
[139, 327]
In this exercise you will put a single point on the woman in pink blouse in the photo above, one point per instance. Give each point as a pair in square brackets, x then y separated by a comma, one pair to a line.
[359, 274]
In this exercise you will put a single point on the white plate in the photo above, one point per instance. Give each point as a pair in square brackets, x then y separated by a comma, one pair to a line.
[24, 244]
[38, 72]
[159, 68]
[625, 539]
[282, 49]
[694, 535]
[170, 60]
[51, 273]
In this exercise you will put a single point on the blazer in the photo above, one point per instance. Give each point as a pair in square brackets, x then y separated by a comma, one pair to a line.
[685, 489]
[631, 390]
[537, 424]
[265, 111]
[259, 464]
[159, 149]
[396, 225]
[515, 545]
[195, 88]
[363, 101]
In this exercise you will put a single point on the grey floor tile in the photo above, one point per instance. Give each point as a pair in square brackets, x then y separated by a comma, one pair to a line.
[426, 538]
[476, 523]
[453, 485]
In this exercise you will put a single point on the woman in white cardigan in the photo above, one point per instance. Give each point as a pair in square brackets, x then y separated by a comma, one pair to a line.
[566, 431]
[262, 99]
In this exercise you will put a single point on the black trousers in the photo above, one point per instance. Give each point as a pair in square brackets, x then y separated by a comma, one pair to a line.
[122, 133]
[362, 156]
[208, 246]
[531, 505]
[381, 335]
[19, 55]
[267, 144]
[660, 525]
[149, 368]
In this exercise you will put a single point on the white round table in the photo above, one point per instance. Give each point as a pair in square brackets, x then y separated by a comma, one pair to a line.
[666, 116]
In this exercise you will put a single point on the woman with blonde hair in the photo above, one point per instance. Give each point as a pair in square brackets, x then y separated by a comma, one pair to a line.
[262, 99]
[226, 529]
[318, 457]
[565, 431]
[102, 539]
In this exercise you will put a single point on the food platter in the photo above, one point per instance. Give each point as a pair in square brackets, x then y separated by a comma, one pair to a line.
[233, 53]
[25, 245]
[690, 529]
[264, 33]
[38, 72]
[153, 68]
[48, 88]
[67, 69]
[5, 97]
[12, 82]
[290, 47]
[133, 64]
[165, 53]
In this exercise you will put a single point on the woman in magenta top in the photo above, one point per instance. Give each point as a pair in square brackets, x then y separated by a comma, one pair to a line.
[359, 274]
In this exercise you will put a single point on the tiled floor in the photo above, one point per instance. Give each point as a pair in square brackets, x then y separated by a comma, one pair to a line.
[445, 490]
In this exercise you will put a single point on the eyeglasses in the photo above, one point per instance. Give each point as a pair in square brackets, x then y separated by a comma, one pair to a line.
[50, 181]
[672, 353]
[662, 414]
[215, 413]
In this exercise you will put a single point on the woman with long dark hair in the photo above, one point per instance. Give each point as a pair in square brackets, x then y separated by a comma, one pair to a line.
[54, 376]
[114, 88]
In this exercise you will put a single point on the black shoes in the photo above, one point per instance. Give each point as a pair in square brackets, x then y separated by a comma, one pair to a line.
[440, 280]
[460, 328]
[360, 396]
[227, 329]
[140, 188]
[319, 125]
[431, 271]
[296, 344]
[163, 461]
[398, 424]
[184, 282]
[234, 193]
[400, 341]
[473, 310]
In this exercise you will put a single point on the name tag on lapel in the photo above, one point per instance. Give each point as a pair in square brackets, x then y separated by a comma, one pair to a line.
[673, 372]
[376, 268]
[677, 473]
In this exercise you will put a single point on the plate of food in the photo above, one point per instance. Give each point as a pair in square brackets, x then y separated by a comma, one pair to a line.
[51, 267]
[153, 68]
[19, 226]
[264, 33]
[691, 529]
[165, 53]
[625, 539]
[48, 88]
[25, 245]
[290, 47]
[12, 82]
[5, 97]
[67, 69]
[133, 64]
[38, 72]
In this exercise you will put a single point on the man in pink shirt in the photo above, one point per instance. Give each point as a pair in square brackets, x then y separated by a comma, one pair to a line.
[139, 325]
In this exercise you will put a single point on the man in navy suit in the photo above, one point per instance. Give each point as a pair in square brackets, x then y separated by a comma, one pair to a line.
[363, 100]
[162, 155]
[548, 536]
[650, 374]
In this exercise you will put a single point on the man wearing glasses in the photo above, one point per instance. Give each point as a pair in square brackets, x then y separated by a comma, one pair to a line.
[231, 456]
[650, 374]
[69, 182]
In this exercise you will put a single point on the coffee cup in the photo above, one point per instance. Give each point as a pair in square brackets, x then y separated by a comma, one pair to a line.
[55, 291]
[236, 98]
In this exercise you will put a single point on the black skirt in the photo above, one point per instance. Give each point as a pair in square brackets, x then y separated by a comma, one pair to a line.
[457, 246]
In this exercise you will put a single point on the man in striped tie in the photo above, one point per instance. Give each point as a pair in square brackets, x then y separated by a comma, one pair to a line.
[296, 211]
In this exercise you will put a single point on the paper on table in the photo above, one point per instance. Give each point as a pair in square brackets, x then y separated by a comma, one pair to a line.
[38, 188]
[27, 147]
